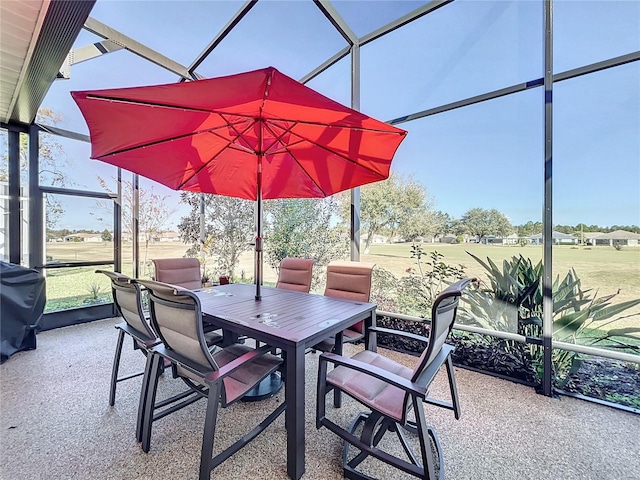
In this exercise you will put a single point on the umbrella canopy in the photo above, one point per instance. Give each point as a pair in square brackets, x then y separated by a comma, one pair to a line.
[255, 135]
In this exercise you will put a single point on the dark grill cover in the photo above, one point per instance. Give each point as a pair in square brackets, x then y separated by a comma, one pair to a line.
[22, 299]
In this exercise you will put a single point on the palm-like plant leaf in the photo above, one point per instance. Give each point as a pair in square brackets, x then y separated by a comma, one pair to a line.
[609, 311]
[574, 310]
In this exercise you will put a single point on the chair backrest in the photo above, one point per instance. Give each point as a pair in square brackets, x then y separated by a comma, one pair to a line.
[177, 317]
[181, 272]
[128, 300]
[295, 274]
[349, 280]
[443, 315]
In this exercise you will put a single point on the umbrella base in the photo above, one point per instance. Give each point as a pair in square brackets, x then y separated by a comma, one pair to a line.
[267, 388]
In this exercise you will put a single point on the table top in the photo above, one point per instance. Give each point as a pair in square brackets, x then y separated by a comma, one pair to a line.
[282, 315]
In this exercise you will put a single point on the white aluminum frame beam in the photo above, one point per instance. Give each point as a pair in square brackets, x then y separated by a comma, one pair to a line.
[98, 28]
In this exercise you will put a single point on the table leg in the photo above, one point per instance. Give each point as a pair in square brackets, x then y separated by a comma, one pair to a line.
[370, 339]
[337, 349]
[294, 415]
[229, 338]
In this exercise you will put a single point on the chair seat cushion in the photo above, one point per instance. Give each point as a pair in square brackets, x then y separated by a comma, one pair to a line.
[376, 394]
[246, 377]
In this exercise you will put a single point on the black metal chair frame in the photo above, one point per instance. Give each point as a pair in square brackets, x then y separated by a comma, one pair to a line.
[375, 424]
[214, 381]
[143, 341]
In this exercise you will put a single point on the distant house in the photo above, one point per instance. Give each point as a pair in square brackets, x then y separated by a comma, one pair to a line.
[559, 238]
[448, 239]
[491, 240]
[589, 237]
[495, 240]
[618, 237]
[83, 237]
[169, 237]
[374, 239]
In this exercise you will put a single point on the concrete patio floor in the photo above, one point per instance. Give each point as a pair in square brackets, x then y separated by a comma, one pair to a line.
[56, 424]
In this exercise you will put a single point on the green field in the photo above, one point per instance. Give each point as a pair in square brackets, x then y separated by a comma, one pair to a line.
[604, 269]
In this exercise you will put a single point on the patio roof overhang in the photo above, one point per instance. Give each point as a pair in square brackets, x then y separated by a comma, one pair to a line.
[36, 38]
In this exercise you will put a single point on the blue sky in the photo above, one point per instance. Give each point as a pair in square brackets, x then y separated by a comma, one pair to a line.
[487, 155]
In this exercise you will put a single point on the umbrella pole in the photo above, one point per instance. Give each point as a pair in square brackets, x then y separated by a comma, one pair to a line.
[258, 254]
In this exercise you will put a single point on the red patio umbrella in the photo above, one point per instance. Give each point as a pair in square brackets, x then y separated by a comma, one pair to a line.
[255, 135]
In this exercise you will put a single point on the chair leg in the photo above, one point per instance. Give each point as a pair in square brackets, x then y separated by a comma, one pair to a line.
[152, 388]
[206, 453]
[427, 436]
[144, 388]
[337, 349]
[116, 367]
[373, 429]
[321, 391]
[453, 388]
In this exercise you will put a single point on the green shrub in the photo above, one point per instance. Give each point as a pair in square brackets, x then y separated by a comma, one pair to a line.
[513, 302]
[414, 294]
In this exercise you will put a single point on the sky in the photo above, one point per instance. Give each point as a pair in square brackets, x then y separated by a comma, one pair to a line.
[487, 155]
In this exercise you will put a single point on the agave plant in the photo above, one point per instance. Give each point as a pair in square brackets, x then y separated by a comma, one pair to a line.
[513, 302]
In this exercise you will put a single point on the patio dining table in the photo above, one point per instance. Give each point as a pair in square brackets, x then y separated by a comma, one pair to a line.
[291, 321]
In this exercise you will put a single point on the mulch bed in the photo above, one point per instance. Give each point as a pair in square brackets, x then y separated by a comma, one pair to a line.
[599, 378]
[611, 380]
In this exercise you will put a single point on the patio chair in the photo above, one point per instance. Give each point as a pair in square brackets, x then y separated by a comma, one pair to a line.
[295, 274]
[349, 281]
[185, 273]
[181, 272]
[127, 299]
[221, 375]
[390, 392]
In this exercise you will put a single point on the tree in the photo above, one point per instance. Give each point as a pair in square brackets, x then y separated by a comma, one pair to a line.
[106, 236]
[481, 222]
[53, 162]
[390, 205]
[153, 212]
[229, 229]
[568, 229]
[529, 228]
[303, 228]
[442, 223]
[421, 224]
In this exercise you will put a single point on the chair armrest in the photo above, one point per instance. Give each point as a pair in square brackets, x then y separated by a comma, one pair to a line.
[429, 373]
[232, 366]
[146, 341]
[195, 368]
[399, 333]
[208, 374]
[375, 372]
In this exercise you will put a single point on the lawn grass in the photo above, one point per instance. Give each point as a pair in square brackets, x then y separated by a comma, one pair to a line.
[604, 269]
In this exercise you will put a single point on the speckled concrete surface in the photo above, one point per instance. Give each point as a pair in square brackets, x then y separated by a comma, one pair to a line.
[56, 424]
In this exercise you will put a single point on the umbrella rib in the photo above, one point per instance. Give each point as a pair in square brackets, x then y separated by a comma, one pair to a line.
[285, 147]
[231, 143]
[239, 134]
[338, 125]
[162, 105]
[303, 139]
[205, 110]
[204, 164]
[165, 140]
